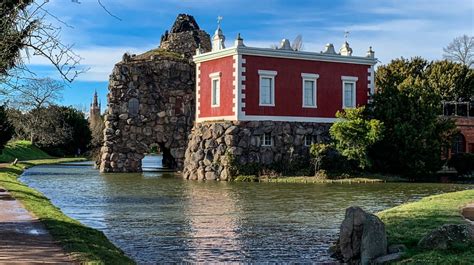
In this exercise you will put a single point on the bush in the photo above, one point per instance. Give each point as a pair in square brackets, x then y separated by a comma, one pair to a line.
[463, 163]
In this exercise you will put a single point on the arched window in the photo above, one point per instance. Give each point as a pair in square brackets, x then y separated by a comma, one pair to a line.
[133, 106]
[459, 144]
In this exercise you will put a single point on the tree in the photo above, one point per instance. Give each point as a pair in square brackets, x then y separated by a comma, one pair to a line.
[58, 130]
[23, 27]
[6, 129]
[353, 134]
[453, 81]
[461, 50]
[97, 126]
[80, 137]
[36, 93]
[408, 106]
[318, 151]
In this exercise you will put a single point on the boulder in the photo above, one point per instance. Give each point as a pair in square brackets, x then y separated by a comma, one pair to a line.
[387, 259]
[362, 237]
[445, 236]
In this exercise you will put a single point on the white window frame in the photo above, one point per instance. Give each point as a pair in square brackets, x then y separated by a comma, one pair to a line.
[311, 138]
[263, 139]
[313, 78]
[349, 80]
[271, 75]
[215, 76]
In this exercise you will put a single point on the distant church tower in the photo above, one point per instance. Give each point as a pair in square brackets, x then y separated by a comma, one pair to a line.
[94, 112]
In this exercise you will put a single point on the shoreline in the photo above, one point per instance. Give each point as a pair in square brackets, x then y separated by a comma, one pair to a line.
[82, 243]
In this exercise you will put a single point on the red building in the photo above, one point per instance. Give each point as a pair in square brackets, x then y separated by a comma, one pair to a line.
[266, 106]
[243, 83]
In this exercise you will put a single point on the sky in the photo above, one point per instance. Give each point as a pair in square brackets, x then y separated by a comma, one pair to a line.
[393, 28]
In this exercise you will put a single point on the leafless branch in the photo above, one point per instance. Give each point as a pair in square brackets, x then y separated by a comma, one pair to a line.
[106, 10]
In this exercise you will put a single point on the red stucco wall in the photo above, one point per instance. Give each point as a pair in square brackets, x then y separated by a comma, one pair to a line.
[288, 86]
[225, 66]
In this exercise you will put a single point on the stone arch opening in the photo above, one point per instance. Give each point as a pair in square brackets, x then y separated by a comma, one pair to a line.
[168, 160]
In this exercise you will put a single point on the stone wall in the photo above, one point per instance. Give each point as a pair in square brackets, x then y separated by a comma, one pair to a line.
[151, 101]
[210, 143]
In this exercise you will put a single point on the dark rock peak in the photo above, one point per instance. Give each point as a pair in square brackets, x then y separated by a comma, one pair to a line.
[184, 22]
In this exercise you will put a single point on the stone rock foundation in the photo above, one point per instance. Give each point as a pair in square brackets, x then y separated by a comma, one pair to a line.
[211, 143]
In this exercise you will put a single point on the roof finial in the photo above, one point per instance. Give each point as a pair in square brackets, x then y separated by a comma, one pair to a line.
[218, 38]
[346, 34]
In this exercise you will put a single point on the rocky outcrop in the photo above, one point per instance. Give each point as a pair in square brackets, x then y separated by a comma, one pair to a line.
[151, 101]
[447, 235]
[362, 237]
[211, 145]
[185, 37]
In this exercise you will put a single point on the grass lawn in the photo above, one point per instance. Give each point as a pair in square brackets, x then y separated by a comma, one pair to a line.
[23, 150]
[408, 223]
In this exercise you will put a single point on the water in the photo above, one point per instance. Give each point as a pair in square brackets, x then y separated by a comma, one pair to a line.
[158, 217]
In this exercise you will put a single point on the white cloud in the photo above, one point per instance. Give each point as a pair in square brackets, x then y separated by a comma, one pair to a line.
[100, 61]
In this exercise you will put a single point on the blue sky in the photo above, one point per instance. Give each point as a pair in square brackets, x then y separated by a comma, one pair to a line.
[392, 28]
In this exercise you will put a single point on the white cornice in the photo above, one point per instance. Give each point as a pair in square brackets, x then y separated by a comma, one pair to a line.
[288, 54]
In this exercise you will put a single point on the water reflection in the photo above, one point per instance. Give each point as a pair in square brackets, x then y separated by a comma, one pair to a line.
[212, 213]
[160, 218]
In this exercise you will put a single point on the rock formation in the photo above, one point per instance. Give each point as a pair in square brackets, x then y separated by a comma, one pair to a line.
[151, 101]
[362, 237]
[448, 235]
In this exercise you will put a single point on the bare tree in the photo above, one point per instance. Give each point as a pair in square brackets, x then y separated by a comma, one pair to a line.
[35, 94]
[25, 33]
[461, 50]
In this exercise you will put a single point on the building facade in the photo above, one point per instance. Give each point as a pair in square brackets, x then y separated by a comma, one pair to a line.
[266, 105]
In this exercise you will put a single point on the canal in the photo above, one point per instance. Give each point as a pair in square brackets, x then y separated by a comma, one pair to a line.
[159, 217]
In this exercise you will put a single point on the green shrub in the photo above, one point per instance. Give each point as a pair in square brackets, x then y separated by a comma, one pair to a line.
[463, 163]
[246, 178]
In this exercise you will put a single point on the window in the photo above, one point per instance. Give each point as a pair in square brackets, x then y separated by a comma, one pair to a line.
[133, 106]
[309, 90]
[349, 91]
[267, 87]
[266, 139]
[459, 144]
[215, 89]
[308, 140]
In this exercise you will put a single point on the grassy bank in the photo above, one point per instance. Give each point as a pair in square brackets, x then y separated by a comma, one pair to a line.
[87, 245]
[344, 179]
[408, 223]
[23, 150]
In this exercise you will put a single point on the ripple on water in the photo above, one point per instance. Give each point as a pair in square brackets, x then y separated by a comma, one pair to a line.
[156, 217]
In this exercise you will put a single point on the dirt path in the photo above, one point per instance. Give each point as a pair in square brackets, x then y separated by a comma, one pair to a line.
[23, 238]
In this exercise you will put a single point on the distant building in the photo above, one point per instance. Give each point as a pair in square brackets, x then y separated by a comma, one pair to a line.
[463, 115]
[94, 111]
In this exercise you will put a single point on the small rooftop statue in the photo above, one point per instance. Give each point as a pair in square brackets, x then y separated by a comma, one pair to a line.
[285, 45]
[329, 49]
